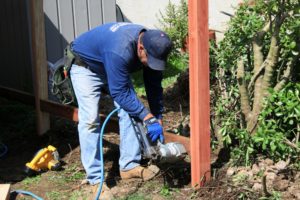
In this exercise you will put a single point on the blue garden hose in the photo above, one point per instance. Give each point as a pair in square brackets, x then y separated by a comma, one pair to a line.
[27, 193]
[4, 150]
[101, 158]
[101, 153]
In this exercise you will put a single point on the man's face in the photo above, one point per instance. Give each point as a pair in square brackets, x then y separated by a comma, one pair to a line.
[142, 54]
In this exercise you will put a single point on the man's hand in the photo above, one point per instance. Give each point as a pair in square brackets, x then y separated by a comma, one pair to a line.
[155, 129]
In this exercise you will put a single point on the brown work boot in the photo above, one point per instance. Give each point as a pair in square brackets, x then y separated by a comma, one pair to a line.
[106, 194]
[144, 173]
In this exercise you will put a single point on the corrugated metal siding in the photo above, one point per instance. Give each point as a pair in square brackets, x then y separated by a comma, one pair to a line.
[67, 19]
[15, 54]
[64, 20]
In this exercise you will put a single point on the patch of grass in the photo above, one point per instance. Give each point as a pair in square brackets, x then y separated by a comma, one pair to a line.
[54, 195]
[58, 179]
[175, 65]
[31, 180]
[165, 191]
[135, 197]
[73, 173]
[77, 195]
[76, 176]
[70, 174]
[239, 178]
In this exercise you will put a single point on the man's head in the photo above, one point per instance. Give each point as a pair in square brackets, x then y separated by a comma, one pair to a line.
[153, 49]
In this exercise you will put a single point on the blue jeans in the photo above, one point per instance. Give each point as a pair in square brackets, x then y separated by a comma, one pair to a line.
[87, 85]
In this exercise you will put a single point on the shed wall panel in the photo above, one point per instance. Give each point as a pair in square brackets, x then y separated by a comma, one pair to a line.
[52, 29]
[15, 52]
[95, 13]
[67, 19]
[109, 11]
[66, 23]
[64, 20]
[81, 19]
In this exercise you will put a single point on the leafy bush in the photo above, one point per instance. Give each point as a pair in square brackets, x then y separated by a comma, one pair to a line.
[175, 65]
[175, 23]
[259, 53]
[279, 124]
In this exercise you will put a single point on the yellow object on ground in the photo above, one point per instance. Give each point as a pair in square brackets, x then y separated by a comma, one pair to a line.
[46, 158]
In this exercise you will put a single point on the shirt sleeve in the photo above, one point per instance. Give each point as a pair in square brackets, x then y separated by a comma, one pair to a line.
[120, 86]
[154, 91]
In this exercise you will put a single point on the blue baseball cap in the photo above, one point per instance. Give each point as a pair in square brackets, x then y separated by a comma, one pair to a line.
[158, 46]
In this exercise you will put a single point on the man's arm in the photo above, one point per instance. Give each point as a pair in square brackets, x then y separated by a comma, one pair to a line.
[122, 91]
[154, 91]
[121, 88]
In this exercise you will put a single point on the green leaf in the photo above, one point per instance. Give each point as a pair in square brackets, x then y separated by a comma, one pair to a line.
[258, 139]
[273, 146]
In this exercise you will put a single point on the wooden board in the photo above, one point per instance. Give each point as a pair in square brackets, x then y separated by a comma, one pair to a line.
[4, 191]
[71, 113]
[199, 91]
[40, 78]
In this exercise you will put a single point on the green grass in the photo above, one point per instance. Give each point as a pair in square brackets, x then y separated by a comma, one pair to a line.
[77, 195]
[54, 195]
[32, 180]
[175, 65]
[70, 174]
[135, 197]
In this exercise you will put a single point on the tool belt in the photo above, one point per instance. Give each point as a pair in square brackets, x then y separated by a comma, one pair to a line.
[62, 87]
[80, 62]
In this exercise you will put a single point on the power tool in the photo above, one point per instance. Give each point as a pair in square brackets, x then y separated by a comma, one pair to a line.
[157, 152]
[45, 159]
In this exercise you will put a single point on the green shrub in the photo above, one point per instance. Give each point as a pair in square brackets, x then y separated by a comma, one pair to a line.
[175, 23]
[279, 124]
[249, 26]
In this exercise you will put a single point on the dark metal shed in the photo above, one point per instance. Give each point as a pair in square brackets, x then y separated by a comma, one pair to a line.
[63, 21]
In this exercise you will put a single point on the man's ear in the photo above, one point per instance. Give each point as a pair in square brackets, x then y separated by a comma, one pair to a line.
[141, 47]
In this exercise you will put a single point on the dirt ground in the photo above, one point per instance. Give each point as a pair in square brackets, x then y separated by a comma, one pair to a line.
[17, 132]
[17, 126]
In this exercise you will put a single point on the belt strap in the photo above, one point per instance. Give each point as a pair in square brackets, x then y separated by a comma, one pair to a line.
[73, 58]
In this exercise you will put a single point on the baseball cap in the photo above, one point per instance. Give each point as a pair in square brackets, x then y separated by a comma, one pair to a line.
[158, 45]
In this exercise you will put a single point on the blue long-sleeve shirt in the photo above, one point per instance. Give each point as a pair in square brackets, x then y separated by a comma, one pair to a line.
[114, 47]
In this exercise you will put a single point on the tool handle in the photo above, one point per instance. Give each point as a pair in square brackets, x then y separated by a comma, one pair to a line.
[145, 144]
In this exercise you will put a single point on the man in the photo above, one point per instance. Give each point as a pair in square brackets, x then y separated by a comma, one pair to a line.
[105, 57]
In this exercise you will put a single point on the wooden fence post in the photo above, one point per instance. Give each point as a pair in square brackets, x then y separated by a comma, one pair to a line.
[40, 77]
[199, 91]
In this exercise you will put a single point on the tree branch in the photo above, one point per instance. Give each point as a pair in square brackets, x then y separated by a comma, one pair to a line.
[264, 184]
[289, 143]
[255, 76]
[245, 103]
[269, 66]
[257, 53]
[286, 75]
[298, 133]
[279, 71]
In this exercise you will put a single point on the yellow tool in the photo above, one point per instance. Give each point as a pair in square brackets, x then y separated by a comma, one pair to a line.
[46, 158]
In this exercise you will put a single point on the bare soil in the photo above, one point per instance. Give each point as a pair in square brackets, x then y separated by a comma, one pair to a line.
[17, 126]
[17, 132]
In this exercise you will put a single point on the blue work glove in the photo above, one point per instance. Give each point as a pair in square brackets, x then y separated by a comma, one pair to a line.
[155, 129]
